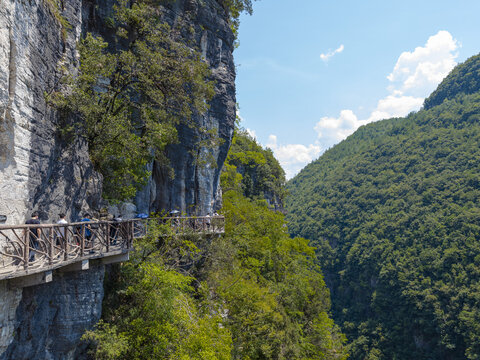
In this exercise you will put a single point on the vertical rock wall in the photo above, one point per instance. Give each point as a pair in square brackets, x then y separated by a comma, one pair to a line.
[195, 187]
[52, 317]
[37, 170]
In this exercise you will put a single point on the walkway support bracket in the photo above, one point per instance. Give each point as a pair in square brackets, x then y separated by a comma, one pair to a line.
[78, 266]
[31, 280]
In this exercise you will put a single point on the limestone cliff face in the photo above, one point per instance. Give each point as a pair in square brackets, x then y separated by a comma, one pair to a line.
[51, 318]
[195, 188]
[40, 172]
[37, 171]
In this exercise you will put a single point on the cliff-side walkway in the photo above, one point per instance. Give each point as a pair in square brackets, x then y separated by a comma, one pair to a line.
[29, 253]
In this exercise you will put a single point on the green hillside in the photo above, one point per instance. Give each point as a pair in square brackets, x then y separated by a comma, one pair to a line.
[395, 211]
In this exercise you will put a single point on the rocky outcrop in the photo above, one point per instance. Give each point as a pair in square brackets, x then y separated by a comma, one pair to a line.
[52, 317]
[37, 170]
[194, 187]
[40, 171]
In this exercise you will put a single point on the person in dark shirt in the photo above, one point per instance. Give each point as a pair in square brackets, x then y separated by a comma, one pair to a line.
[115, 229]
[34, 235]
[88, 232]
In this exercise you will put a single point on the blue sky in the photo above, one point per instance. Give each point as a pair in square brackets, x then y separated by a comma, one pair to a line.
[310, 72]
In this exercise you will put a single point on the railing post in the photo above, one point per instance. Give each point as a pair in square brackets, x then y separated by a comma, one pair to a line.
[82, 241]
[26, 248]
[108, 236]
[131, 233]
[50, 246]
[127, 234]
[65, 243]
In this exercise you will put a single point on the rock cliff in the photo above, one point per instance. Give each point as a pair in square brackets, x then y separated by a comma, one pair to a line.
[40, 172]
[195, 189]
[51, 318]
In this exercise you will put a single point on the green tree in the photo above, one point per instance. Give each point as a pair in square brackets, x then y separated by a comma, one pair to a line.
[275, 295]
[255, 169]
[252, 293]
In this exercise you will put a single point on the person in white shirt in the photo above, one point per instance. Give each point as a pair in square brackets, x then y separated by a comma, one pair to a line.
[61, 230]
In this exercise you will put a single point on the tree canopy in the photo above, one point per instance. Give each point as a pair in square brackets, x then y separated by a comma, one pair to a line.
[254, 169]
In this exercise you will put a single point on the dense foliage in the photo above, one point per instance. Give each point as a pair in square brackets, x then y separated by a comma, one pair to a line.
[262, 177]
[253, 293]
[275, 294]
[395, 211]
[151, 308]
[128, 101]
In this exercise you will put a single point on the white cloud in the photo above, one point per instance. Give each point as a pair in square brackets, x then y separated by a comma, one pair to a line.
[293, 157]
[332, 130]
[325, 57]
[414, 76]
[421, 70]
[395, 106]
[252, 133]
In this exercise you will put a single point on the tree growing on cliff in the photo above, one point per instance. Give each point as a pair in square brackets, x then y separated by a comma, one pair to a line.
[259, 174]
[152, 309]
[128, 98]
[234, 8]
[278, 303]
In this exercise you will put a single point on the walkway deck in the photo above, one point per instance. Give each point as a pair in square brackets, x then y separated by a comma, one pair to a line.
[27, 250]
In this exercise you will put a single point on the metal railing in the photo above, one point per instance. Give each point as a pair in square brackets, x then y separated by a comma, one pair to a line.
[32, 247]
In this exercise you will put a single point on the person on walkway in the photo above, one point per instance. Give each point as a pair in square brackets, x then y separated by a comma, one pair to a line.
[88, 231]
[62, 230]
[115, 229]
[207, 220]
[34, 235]
[62, 219]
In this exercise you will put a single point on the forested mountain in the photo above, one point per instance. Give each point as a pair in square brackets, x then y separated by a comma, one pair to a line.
[395, 212]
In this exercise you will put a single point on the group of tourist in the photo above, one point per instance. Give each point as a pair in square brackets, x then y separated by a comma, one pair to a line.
[35, 233]
[61, 235]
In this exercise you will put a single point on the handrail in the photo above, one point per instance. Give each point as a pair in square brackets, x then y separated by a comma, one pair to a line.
[169, 218]
[32, 247]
